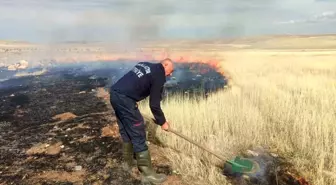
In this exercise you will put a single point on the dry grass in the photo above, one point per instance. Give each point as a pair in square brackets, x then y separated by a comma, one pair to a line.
[287, 102]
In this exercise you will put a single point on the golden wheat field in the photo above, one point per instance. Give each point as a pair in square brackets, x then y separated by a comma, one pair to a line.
[285, 100]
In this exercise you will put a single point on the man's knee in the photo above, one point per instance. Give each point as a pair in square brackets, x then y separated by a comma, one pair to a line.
[138, 136]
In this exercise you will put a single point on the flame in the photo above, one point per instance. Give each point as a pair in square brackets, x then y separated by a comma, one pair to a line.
[298, 179]
[302, 181]
[152, 55]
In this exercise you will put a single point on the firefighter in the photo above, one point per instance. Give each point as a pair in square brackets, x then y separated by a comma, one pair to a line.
[145, 79]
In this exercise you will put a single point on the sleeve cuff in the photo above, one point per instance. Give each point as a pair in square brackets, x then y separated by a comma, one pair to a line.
[160, 121]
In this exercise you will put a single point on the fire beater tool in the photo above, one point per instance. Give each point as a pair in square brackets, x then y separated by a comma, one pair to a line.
[238, 165]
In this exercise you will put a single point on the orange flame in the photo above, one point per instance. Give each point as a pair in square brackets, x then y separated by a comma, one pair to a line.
[146, 56]
[298, 179]
[303, 181]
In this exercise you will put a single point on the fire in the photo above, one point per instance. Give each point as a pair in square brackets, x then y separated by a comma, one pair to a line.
[147, 56]
[298, 179]
[303, 181]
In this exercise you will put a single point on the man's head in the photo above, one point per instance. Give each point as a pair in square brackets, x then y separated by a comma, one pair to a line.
[168, 66]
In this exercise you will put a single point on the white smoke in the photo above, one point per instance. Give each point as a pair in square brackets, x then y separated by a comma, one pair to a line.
[130, 21]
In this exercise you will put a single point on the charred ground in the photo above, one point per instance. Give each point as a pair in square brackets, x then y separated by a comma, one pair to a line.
[55, 130]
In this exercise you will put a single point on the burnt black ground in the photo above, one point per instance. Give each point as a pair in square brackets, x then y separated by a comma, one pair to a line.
[27, 109]
[27, 105]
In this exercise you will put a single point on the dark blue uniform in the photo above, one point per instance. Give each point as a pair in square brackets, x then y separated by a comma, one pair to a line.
[145, 79]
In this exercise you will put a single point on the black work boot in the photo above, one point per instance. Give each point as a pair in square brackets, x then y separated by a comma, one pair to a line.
[146, 169]
[128, 157]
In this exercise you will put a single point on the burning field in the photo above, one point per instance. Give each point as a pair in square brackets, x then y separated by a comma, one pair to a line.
[57, 126]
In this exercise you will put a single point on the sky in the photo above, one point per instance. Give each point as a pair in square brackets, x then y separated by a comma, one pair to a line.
[132, 20]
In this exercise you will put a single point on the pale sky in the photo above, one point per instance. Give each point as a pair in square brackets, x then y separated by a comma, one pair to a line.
[107, 20]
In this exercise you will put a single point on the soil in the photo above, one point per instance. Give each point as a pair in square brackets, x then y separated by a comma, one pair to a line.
[55, 130]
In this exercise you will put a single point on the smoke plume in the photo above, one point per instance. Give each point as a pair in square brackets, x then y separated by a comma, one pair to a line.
[134, 20]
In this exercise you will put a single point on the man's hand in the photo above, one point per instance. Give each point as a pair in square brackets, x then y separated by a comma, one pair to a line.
[165, 126]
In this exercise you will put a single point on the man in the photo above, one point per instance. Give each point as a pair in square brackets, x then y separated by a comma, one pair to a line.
[145, 79]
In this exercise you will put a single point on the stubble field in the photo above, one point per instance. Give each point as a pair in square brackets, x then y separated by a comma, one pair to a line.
[281, 99]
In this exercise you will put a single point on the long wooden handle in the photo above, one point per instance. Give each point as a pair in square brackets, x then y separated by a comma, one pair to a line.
[193, 142]
[190, 140]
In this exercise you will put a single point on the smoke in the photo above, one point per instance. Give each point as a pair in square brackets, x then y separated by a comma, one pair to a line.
[131, 21]
[127, 23]
[268, 169]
